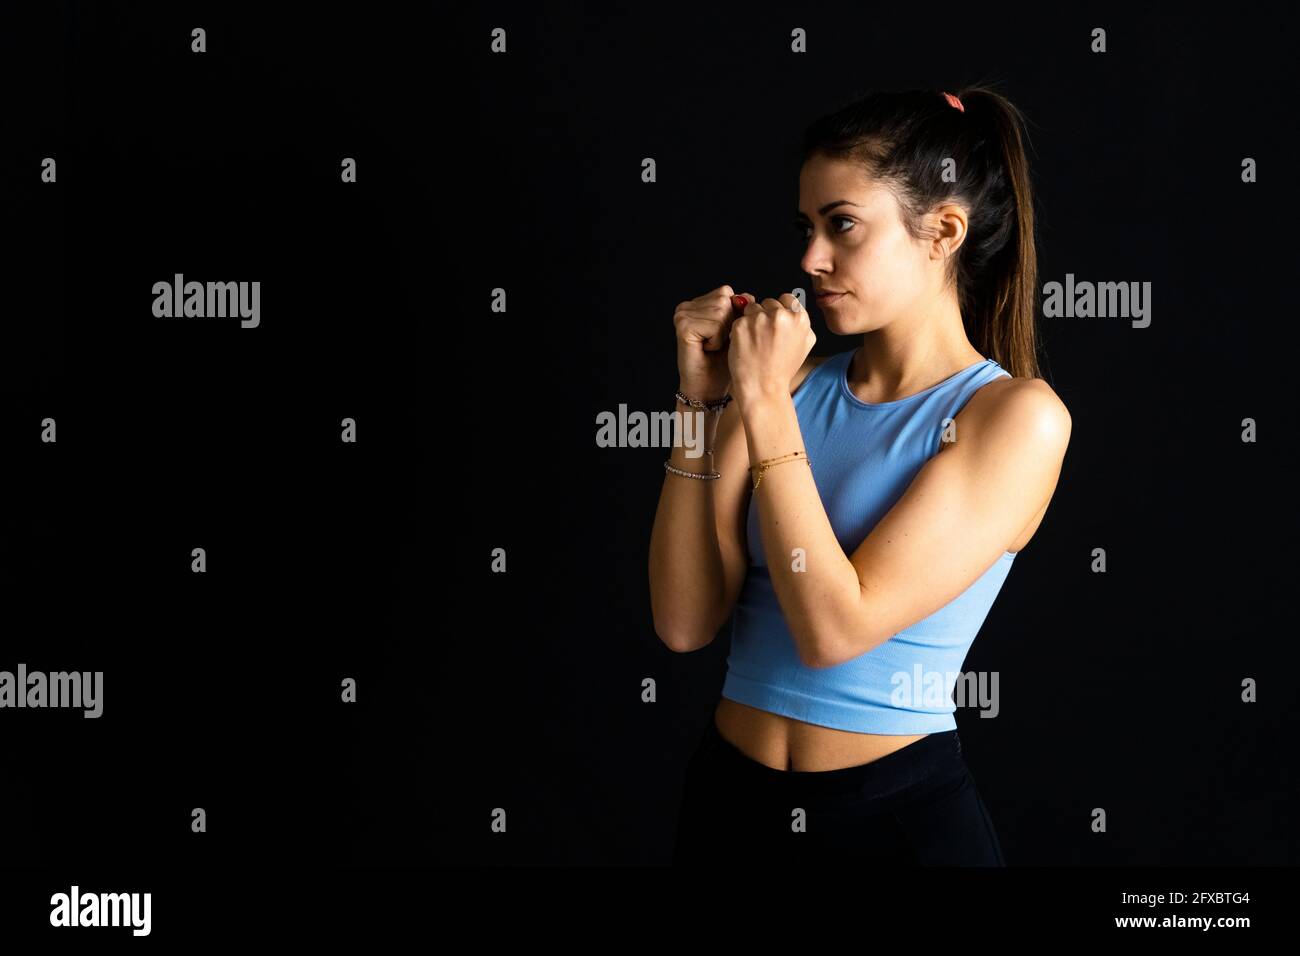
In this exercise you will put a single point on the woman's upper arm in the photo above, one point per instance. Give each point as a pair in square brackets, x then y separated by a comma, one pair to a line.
[964, 507]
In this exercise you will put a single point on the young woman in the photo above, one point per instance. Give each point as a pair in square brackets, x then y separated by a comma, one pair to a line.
[859, 513]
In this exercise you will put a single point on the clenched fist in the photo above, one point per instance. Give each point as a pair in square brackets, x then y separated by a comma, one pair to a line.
[703, 332]
[769, 343]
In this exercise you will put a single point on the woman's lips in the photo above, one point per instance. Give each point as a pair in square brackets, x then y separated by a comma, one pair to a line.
[830, 298]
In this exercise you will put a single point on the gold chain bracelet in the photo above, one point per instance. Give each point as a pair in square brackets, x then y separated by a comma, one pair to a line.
[756, 471]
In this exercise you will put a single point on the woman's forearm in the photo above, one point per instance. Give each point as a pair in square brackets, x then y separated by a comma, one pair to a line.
[813, 578]
[687, 583]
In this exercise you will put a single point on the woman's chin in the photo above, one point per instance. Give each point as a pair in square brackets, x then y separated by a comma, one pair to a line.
[838, 322]
[841, 321]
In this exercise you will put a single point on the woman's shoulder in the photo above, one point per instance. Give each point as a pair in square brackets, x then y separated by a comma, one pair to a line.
[1026, 405]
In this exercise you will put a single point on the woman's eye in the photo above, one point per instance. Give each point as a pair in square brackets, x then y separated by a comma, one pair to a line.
[804, 227]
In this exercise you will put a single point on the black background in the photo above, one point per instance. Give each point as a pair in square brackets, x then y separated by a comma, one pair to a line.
[476, 430]
[221, 690]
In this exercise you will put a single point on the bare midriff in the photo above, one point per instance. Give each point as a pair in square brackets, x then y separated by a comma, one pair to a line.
[788, 744]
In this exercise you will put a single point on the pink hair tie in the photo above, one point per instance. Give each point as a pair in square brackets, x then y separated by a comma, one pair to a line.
[953, 101]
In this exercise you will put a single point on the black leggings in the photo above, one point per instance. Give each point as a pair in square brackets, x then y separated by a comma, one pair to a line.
[917, 806]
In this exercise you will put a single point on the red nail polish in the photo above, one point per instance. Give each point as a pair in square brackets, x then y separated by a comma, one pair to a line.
[739, 301]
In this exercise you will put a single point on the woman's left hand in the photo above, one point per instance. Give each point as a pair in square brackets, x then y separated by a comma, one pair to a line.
[769, 343]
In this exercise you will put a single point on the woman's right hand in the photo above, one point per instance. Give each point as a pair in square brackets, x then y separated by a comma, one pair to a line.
[703, 333]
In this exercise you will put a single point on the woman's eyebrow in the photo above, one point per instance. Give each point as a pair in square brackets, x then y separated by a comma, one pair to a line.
[827, 208]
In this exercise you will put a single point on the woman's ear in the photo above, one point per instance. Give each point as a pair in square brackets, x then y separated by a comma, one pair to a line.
[950, 227]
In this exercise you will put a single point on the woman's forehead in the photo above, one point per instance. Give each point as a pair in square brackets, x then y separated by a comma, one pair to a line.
[823, 181]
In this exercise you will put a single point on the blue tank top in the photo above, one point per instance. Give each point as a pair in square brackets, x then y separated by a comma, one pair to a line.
[863, 457]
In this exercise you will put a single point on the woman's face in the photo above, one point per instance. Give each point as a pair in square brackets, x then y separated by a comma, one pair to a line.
[859, 246]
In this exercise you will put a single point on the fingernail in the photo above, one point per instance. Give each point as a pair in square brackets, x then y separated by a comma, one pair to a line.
[739, 301]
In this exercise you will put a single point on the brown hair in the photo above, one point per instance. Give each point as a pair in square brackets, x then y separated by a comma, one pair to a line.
[903, 138]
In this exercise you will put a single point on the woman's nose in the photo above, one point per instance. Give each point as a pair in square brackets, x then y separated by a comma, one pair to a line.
[814, 260]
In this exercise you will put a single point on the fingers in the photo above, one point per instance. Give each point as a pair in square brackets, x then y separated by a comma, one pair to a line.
[696, 326]
[788, 301]
[791, 302]
[722, 311]
[718, 340]
[736, 304]
[729, 311]
[708, 319]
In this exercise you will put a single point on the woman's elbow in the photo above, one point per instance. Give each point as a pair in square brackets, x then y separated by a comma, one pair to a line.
[682, 640]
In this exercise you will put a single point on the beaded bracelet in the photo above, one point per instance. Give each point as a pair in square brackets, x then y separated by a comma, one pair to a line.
[668, 466]
[708, 406]
[756, 471]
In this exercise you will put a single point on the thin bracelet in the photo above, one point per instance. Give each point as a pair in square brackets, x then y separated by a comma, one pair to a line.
[757, 471]
[668, 466]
